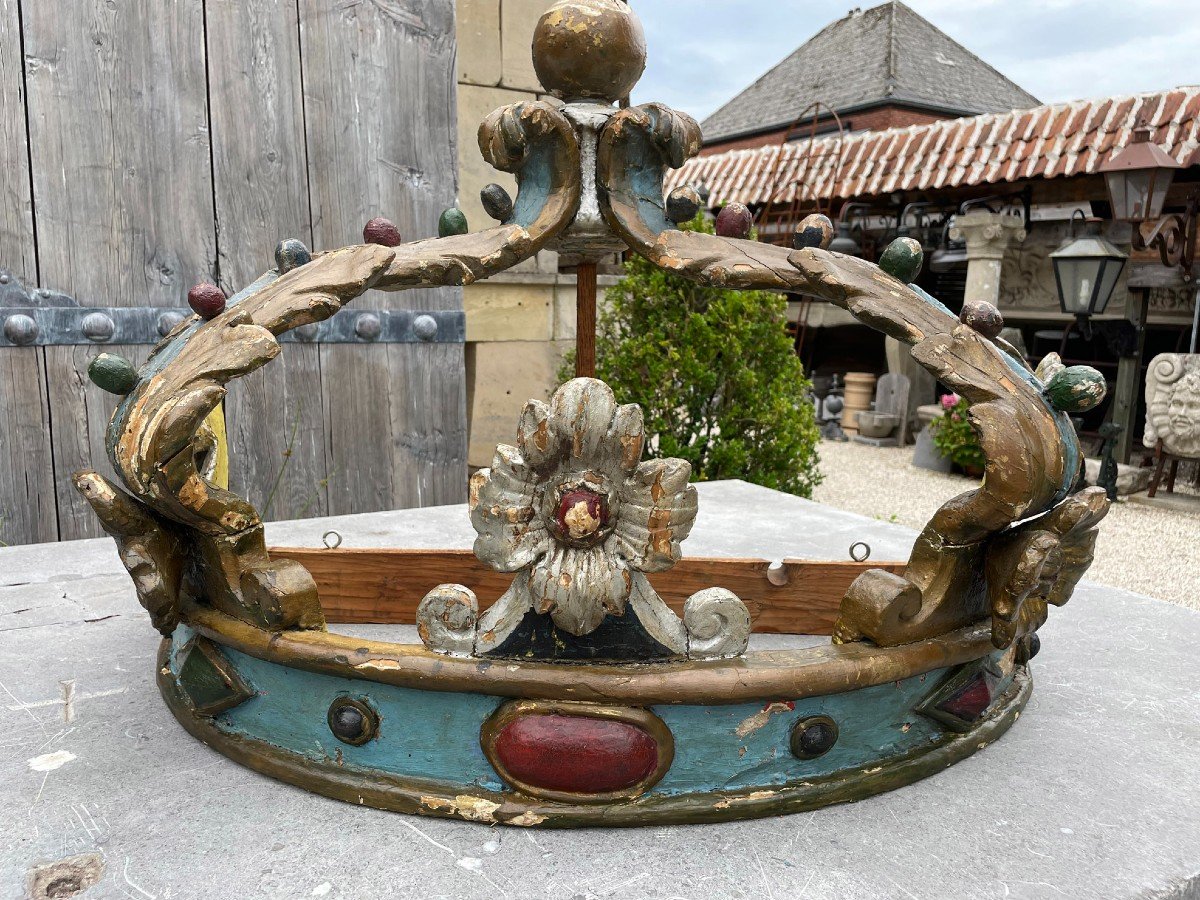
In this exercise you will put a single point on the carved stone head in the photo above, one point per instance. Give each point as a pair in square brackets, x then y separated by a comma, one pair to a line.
[1173, 404]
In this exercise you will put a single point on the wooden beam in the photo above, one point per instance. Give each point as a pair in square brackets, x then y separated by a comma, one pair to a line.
[1129, 376]
[385, 586]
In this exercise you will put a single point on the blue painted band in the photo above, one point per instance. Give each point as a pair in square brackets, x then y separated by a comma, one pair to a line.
[434, 737]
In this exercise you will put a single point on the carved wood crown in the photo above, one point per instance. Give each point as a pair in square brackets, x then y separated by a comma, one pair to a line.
[572, 509]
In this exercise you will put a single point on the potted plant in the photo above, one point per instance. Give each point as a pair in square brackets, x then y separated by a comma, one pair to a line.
[955, 437]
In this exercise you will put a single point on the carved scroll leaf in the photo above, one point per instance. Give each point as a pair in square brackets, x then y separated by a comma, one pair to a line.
[153, 439]
[1031, 450]
[149, 548]
[717, 623]
[446, 619]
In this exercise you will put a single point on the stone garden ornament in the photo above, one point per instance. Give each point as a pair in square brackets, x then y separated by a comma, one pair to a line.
[577, 670]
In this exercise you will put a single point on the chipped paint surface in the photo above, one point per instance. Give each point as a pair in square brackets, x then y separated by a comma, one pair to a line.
[473, 809]
[435, 736]
[751, 724]
[527, 819]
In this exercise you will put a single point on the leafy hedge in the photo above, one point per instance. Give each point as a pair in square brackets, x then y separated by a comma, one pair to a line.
[716, 374]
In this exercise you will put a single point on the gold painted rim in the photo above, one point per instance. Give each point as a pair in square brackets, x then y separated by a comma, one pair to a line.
[758, 676]
[423, 797]
[643, 719]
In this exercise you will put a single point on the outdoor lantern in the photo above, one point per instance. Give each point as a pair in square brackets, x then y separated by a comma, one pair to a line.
[947, 258]
[950, 254]
[1086, 270]
[844, 242]
[1138, 179]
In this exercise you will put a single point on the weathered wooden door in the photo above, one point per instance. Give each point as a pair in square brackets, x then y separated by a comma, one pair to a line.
[149, 146]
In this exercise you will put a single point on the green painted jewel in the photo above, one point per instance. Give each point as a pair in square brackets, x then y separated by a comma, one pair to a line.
[452, 222]
[903, 259]
[113, 373]
[1076, 389]
[210, 681]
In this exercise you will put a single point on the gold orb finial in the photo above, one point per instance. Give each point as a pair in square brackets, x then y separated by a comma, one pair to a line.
[589, 50]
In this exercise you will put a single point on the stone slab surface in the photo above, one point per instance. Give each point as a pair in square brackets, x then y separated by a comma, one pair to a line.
[1094, 793]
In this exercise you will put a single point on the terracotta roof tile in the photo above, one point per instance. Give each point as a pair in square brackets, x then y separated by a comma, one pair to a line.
[1057, 140]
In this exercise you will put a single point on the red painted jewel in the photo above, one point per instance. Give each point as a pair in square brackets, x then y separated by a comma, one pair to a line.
[382, 231]
[206, 300]
[576, 754]
[581, 513]
[971, 702]
[734, 221]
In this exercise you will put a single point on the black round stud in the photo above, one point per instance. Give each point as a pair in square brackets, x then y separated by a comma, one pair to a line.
[291, 254]
[813, 737]
[682, 205]
[815, 231]
[1035, 646]
[352, 721]
[496, 202]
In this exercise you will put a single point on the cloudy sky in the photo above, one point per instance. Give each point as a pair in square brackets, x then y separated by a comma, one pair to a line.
[703, 52]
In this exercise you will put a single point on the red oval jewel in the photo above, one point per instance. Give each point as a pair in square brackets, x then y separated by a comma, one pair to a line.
[576, 754]
[582, 513]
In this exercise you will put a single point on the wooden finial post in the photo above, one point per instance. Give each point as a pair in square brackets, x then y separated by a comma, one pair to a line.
[585, 320]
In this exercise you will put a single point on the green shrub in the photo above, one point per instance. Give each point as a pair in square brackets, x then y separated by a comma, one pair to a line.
[714, 371]
[953, 435]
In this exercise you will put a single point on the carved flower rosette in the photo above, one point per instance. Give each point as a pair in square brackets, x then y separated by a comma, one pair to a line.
[574, 510]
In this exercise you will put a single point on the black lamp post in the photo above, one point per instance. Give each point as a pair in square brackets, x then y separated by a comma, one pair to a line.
[1086, 270]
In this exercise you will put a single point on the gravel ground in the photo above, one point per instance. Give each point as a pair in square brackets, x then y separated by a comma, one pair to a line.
[1150, 551]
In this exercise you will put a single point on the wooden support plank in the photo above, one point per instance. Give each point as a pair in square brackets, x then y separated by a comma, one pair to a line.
[27, 503]
[260, 176]
[1130, 385]
[381, 141]
[122, 186]
[385, 586]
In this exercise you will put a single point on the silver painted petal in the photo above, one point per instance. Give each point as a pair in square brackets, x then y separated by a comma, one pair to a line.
[540, 447]
[511, 533]
[629, 433]
[578, 588]
[581, 413]
[657, 511]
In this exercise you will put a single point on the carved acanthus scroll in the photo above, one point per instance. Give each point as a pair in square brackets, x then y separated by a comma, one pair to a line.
[155, 439]
[1031, 448]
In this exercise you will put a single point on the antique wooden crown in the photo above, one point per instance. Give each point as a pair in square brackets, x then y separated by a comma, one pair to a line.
[588, 688]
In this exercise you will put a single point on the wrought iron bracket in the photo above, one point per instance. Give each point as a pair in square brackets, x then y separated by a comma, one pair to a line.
[43, 317]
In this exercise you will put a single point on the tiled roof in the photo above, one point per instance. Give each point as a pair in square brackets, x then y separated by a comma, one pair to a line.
[886, 54]
[1052, 141]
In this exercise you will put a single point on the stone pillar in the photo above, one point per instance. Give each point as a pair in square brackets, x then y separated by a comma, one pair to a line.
[988, 236]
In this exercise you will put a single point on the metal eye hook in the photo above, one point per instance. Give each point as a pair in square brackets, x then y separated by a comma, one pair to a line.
[337, 542]
[865, 552]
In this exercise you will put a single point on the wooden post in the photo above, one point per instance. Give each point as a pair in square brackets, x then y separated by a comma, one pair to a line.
[1129, 376]
[585, 321]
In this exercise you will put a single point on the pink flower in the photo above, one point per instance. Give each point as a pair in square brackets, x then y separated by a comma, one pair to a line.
[949, 401]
